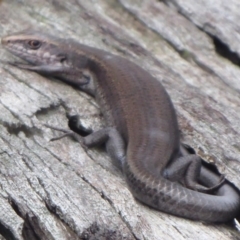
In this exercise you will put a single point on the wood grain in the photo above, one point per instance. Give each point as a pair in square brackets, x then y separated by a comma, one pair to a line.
[57, 190]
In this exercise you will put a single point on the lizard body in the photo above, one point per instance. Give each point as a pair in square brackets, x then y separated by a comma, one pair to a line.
[142, 130]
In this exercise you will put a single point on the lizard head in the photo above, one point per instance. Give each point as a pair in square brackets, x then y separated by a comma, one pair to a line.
[35, 48]
[47, 55]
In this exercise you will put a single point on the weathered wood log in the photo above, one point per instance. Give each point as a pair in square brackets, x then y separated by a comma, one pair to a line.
[57, 190]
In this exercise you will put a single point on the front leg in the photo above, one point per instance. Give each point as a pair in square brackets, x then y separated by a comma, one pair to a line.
[110, 136]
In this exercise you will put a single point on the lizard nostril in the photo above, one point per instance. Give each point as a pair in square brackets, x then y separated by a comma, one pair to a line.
[5, 41]
[62, 60]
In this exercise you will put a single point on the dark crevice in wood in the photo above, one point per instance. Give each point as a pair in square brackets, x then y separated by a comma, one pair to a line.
[223, 50]
[15, 129]
[6, 233]
[52, 208]
[46, 110]
[89, 233]
[15, 207]
[29, 229]
[96, 231]
[74, 123]
[68, 226]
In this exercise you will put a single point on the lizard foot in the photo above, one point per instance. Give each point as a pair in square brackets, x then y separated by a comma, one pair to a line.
[67, 133]
[201, 188]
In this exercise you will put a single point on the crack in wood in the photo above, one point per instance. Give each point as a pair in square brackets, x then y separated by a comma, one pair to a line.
[96, 231]
[221, 48]
[31, 229]
[6, 232]
[54, 209]
[15, 129]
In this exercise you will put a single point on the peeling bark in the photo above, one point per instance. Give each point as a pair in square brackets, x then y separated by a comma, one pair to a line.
[57, 190]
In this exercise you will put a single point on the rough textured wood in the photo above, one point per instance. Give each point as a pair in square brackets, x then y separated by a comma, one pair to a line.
[56, 190]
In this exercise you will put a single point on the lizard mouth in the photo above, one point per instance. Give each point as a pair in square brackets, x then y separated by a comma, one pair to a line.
[41, 68]
[27, 66]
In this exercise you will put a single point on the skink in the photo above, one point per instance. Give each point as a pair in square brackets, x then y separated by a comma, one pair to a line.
[141, 126]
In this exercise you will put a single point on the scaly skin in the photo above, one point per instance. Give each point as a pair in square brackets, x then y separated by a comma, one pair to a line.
[142, 126]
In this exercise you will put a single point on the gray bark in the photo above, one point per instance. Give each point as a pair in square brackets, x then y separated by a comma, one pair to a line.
[57, 190]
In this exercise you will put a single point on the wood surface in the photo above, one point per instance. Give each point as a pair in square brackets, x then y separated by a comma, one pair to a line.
[57, 190]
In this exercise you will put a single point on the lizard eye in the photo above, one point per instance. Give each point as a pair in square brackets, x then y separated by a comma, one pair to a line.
[34, 44]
